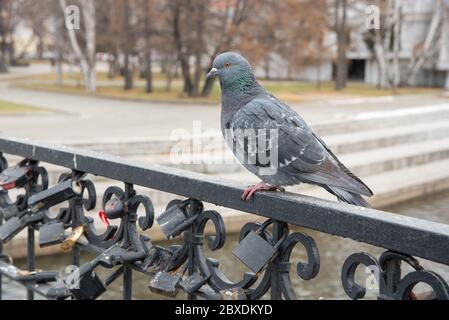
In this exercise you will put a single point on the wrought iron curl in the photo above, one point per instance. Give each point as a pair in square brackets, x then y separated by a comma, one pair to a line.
[218, 240]
[391, 284]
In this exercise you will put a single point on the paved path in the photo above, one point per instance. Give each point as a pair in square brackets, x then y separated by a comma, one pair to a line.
[90, 118]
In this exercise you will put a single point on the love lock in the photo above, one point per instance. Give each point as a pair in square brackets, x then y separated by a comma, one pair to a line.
[175, 220]
[90, 287]
[55, 195]
[165, 283]
[72, 239]
[9, 211]
[14, 225]
[50, 234]
[256, 252]
[115, 208]
[15, 177]
[192, 283]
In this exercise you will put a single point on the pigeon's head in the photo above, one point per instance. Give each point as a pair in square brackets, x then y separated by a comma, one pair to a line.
[229, 66]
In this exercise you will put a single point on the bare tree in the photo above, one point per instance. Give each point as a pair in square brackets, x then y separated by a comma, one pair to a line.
[385, 44]
[431, 44]
[229, 21]
[85, 55]
[147, 34]
[342, 44]
[127, 46]
[5, 34]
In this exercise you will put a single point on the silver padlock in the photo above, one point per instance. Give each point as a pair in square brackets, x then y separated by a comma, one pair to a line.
[175, 219]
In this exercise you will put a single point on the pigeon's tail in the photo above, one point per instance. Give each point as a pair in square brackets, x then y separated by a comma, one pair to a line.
[348, 197]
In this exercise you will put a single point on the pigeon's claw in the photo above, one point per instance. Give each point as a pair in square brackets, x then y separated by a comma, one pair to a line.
[262, 186]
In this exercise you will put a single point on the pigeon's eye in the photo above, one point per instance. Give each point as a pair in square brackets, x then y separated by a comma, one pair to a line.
[227, 65]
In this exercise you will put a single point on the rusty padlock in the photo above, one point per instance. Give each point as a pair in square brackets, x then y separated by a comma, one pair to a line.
[165, 283]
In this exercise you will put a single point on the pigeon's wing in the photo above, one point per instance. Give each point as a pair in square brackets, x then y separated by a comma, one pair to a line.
[301, 155]
[296, 142]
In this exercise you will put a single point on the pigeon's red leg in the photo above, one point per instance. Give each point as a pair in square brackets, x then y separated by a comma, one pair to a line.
[261, 186]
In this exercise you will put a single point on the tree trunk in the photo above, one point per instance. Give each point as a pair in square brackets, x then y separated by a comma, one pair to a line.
[342, 43]
[3, 32]
[396, 78]
[381, 62]
[59, 37]
[148, 49]
[431, 43]
[128, 67]
[128, 73]
[199, 48]
[267, 68]
[182, 55]
[87, 58]
[169, 70]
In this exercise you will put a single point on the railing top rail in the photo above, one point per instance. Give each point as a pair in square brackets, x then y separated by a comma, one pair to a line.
[408, 235]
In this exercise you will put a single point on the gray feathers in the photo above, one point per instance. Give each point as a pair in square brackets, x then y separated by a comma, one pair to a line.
[301, 155]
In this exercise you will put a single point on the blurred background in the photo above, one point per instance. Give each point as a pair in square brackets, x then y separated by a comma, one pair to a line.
[128, 78]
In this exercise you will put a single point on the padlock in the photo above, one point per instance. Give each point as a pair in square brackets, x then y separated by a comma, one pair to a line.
[72, 239]
[90, 287]
[256, 252]
[165, 283]
[192, 283]
[9, 211]
[233, 294]
[14, 225]
[51, 234]
[114, 208]
[175, 220]
[55, 195]
[15, 177]
[10, 228]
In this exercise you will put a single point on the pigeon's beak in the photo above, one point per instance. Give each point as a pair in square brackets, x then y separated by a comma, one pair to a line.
[212, 73]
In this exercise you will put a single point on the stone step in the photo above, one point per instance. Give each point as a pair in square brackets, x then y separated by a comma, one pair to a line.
[367, 140]
[392, 158]
[363, 163]
[365, 121]
[368, 121]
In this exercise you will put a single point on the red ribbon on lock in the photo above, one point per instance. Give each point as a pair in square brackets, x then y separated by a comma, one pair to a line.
[103, 217]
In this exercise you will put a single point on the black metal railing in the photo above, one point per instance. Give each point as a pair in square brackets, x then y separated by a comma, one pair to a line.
[265, 248]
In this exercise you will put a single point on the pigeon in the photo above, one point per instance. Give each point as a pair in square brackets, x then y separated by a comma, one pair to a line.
[273, 141]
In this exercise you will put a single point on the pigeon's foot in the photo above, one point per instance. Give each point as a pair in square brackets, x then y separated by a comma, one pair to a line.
[261, 186]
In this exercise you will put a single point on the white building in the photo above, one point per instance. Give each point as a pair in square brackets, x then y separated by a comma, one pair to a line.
[416, 19]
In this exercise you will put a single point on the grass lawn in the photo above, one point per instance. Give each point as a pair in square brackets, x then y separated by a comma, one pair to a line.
[290, 91]
[11, 107]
